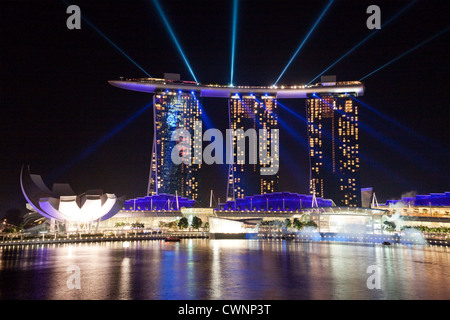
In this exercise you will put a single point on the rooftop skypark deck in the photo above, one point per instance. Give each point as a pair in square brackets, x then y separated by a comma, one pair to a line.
[152, 85]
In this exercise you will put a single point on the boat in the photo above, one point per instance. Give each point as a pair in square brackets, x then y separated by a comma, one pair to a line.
[172, 239]
[386, 243]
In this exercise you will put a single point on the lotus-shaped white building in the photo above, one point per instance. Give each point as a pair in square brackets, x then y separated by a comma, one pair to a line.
[62, 204]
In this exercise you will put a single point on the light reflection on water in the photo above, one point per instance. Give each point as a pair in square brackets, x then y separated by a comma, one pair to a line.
[224, 269]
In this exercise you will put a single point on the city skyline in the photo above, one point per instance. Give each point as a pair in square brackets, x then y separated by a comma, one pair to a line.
[61, 116]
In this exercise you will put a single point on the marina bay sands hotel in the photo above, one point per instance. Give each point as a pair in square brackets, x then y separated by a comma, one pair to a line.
[332, 134]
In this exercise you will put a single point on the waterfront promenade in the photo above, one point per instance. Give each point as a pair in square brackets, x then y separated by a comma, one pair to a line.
[83, 238]
[424, 239]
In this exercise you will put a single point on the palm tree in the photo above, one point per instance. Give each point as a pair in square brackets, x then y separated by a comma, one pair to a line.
[183, 223]
[196, 222]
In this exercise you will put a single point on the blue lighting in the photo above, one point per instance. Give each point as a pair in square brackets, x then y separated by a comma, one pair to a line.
[174, 38]
[172, 120]
[433, 199]
[403, 151]
[113, 44]
[292, 131]
[305, 39]
[278, 201]
[158, 202]
[407, 52]
[233, 38]
[371, 34]
[100, 142]
[295, 114]
[205, 118]
[396, 123]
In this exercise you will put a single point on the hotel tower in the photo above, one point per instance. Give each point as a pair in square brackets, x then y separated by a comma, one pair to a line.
[174, 110]
[251, 112]
[333, 137]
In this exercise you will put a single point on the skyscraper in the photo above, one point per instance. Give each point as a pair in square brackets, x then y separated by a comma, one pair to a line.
[174, 110]
[250, 112]
[333, 137]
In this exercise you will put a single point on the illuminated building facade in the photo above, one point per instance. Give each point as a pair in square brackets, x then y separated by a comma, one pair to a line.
[252, 107]
[174, 110]
[333, 137]
[278, 201]
[251, 112]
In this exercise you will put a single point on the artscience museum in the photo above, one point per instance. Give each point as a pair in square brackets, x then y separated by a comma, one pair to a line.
[63, 207]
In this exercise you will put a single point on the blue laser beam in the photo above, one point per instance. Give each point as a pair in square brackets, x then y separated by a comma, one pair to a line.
[305, 39]
[89, 150]
[233, 38]
[114, 45]
[396, 123]
[385, 117]
[372, 33]
[418, 159]
[205, 118]
[174, 38]
[292, 131]
[295, 114]
[381, 137]
[408, 51]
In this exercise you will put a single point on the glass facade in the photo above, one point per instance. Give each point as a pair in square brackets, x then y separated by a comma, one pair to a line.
[333, 137]
[158, 202]
[278, 201]
[175, 110]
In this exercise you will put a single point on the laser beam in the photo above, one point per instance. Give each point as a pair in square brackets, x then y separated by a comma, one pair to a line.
[295, 114]
[89, 150]
[408, 51]
[112, 43]
[205, 118]
[397, 124]
[418, 159]
[293, 131]
[174, 38]
[372, 33]
[382, 115]
[305, 39]
[233, 38]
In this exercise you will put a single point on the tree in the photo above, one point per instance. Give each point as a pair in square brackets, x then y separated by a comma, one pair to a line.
[298, 224]
[137, 225]
[311, 224]
[389, 225]
[196, 222]
[120, 224]
[287, 223]
[183, 223]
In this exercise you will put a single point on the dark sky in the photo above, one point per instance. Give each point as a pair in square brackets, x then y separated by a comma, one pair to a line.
[60, 116]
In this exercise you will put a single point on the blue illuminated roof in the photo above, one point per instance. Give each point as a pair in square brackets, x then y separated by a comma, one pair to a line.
[433, 199]
[158, 202]
[278, 201]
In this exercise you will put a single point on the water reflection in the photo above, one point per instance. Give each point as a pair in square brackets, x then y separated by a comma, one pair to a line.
[224, 269]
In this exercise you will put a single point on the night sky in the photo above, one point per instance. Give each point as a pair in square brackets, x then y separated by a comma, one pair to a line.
[60, 116]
